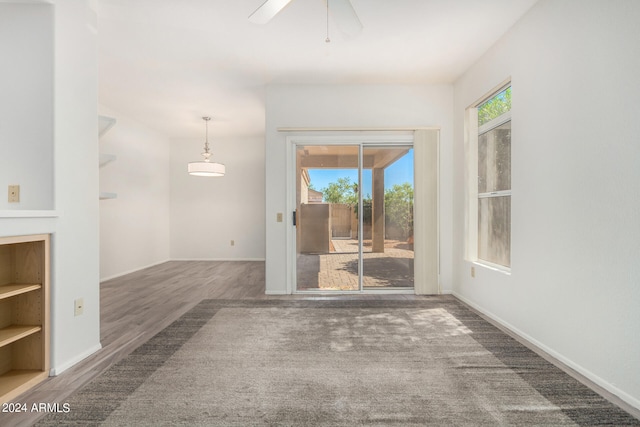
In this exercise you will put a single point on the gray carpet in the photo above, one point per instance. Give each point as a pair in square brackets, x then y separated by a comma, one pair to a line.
[427, 362]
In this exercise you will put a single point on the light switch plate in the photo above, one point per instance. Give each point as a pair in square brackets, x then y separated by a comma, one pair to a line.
[279, 217]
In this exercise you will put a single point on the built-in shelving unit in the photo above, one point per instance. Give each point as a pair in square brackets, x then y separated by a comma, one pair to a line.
[104, 124]
[24, 313]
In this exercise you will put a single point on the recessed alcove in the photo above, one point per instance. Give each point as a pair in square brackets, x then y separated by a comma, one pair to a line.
[26, 106]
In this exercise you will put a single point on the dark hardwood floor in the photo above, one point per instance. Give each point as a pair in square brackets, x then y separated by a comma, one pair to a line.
[135, 307]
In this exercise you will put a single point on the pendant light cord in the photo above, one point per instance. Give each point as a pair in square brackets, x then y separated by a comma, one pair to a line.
[206, 136]
[327, 40]
[206, 153]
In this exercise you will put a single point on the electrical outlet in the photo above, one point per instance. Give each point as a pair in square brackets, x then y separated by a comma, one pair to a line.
[233, 243]
[78, 307]
[473, 271]
[14, 194]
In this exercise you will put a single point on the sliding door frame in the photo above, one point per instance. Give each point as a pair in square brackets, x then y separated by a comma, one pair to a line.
[425, 279]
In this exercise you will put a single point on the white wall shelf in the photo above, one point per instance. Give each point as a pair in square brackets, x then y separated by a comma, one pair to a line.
[29, 214]
[104, 195]
[104, 124]
[105, 159]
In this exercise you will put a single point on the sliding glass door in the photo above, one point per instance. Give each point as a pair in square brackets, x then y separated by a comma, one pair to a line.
[387, 261]
[354, 217]
[327, 249]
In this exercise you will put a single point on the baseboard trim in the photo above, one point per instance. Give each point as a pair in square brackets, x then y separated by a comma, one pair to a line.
[218, 259]
[135, 270]
[69, 363]
[594, 382]
[124, 273]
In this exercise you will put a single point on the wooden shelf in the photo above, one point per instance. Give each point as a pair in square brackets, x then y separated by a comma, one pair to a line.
[11, 290]
[15, 382]
[24, 313]
[14, 333]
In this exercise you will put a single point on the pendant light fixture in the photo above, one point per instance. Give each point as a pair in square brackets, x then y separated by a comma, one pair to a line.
[206, 167]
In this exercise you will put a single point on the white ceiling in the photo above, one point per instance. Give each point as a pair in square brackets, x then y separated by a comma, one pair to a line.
[167, 63]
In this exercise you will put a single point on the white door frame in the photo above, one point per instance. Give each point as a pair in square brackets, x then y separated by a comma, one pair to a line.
[426, 200]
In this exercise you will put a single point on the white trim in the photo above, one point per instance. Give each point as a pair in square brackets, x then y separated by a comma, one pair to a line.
[390, 139]
[29, 214]
[352, 129]
[276, 292]
[472, 133]
[471, 184]
[426, 213]
[124, 273]
[361, 217]
[369, 291]
[491, 266]
[291, 205]
[216, 259]
[77, 359]
[564, 362]
[493, 92]
[501, 193]
[494, 123]
[292, 141]
[135, 270]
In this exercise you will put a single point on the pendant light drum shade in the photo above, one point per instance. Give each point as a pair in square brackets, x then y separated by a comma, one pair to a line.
[206, 167]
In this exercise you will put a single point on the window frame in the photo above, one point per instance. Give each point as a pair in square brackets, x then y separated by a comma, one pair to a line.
[472, 134]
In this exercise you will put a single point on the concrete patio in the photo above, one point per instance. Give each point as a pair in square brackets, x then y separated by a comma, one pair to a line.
[338, 270]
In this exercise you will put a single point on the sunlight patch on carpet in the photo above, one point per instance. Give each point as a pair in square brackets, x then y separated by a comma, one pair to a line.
[276, 362]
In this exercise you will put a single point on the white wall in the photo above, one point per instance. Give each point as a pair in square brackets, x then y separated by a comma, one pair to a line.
[74, 224]
[134, 227]
[75, 245]
[26, 107]
[573, 288]
[208, 212]
[368, 106]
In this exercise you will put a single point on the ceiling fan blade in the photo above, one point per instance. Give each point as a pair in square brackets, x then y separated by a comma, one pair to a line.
[268, 10]
[345, 16]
